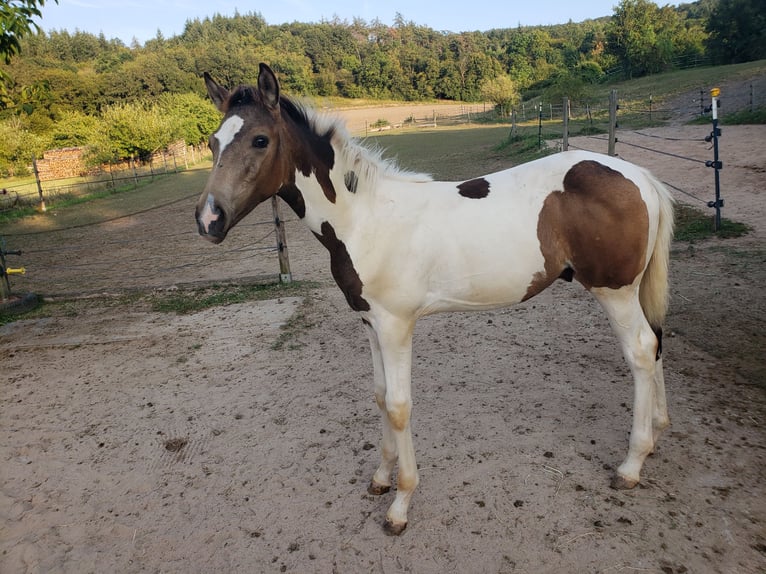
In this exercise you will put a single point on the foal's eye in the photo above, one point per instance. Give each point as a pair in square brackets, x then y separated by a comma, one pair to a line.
[260, 142]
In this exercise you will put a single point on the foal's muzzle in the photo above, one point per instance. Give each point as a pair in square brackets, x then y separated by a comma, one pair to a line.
[211, 221]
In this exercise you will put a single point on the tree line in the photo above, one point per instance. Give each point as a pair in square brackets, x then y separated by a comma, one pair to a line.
[67, 88]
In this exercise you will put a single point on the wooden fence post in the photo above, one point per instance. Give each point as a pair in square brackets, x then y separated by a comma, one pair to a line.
[513, 123]
[285, 275]
[565, 136]
[612, 122]
[5, 285]
[39, 184]
[135, 172]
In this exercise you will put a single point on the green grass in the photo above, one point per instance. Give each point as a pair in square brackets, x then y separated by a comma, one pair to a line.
[96, 209]
[670, 84]
[745, 117]
[695, 225]
[64, 200]
[180, 301]
[525, 146]
[87, 190]
[195, 300]
[740, 118]
[450, 154]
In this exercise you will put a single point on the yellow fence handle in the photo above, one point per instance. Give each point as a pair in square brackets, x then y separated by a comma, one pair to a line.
[16, 271]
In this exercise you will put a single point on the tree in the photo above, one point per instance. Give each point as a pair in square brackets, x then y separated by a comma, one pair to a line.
[17, 146]
[16, 21]
[195, 116]
[632, 35]
[74, 129]
[737, 31]
[134, 131]
[501, 91]
[646, 39]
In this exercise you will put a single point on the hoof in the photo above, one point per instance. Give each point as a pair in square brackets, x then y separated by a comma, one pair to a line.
[621, 483]
[393, 529]
[378, 489]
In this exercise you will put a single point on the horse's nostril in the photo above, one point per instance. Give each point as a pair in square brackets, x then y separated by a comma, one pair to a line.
[211, 220]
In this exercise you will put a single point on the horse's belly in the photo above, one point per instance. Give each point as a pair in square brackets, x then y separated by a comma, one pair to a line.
[481, 290]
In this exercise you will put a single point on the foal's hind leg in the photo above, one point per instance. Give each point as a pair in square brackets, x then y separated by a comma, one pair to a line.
[639, 346]
[660, 418]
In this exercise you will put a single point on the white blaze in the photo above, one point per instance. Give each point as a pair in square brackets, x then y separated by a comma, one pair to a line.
[225, 135]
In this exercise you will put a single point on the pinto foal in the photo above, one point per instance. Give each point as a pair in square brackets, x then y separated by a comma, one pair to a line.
[403, 246]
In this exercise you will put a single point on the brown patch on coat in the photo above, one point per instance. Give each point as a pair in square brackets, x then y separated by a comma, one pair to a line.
[474, 188]
[596, 230]
[293, 197]
[342, 268]
[312, 151]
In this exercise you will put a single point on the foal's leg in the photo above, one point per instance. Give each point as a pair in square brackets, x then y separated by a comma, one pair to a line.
[394, 337]
[639, 345]
[381, 480]
[660, 418]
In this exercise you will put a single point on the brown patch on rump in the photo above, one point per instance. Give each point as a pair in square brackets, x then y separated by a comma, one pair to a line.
[342, 268]
[596, 230]
[474, 188]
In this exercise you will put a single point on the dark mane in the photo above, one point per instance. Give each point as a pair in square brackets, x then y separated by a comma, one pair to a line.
[300, 116]
[243, 96]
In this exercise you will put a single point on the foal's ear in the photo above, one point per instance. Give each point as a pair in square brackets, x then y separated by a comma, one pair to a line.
[268, 86]
[217, 93]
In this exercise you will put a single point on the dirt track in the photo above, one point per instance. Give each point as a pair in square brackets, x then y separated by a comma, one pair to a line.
[141, 442]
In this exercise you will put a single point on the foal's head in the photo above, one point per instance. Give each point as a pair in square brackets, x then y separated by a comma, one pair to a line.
[250, 162]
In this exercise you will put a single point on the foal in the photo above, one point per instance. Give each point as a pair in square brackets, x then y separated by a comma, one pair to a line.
[403, 246]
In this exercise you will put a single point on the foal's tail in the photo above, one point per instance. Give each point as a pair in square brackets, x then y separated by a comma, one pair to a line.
[653, 291]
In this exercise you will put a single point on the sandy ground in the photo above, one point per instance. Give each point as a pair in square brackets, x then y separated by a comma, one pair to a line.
[134, 441]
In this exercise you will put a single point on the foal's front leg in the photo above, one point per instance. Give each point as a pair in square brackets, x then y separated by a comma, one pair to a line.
[394, 360]
[381, 480]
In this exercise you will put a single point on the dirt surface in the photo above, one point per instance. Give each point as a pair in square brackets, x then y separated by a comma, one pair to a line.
[135, 441]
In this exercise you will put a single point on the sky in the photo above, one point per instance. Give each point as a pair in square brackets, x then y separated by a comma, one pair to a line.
[141, 19]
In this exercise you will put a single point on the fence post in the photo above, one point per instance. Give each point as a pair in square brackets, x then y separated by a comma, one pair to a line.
[5, 284]
[39, 184]
[565, 138]
[540, 127]
[612, 122]
[135, 172]
[513, 123]
[285, 275]
[716, 163]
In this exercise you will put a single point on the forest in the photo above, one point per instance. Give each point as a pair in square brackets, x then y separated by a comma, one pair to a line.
[72, 88]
